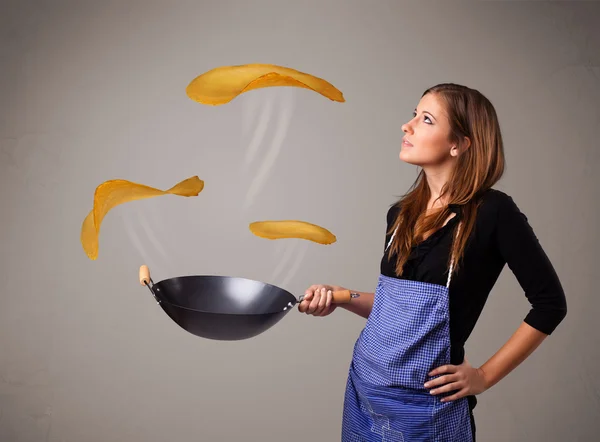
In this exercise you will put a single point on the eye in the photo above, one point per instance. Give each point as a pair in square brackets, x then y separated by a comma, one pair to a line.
[425, 118]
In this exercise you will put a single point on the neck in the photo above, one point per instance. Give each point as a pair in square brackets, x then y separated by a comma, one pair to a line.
[436, 178]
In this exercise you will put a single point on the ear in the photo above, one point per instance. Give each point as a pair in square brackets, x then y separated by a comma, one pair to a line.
[467, 143]
[456, 150]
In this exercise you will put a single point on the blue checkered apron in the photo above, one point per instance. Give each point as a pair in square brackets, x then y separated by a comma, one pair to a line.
[405, 337]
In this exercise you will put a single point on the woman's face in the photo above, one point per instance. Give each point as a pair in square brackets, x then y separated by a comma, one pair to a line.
[426, 137]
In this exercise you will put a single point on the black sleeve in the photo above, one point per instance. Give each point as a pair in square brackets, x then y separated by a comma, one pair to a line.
[531, 266]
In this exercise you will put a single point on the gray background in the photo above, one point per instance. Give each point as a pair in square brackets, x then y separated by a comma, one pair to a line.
[92, 91]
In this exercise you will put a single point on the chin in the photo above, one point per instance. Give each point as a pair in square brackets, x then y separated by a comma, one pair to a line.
[405, 157]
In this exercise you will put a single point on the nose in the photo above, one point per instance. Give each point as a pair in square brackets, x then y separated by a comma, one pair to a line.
[406, 128]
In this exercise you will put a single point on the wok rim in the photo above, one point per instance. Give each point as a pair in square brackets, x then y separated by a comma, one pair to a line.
[293, 300]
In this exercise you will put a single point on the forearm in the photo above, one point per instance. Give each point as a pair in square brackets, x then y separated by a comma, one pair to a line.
[362, 305]
[520, 345]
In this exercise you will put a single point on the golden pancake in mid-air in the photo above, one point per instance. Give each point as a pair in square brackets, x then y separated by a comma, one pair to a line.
[115, 192]
[221, 85]
[292, 229]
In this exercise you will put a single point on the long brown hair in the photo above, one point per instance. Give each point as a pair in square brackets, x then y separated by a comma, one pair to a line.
[477, 169]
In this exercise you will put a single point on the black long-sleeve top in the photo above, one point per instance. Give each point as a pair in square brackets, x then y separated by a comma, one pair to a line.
[501, 235]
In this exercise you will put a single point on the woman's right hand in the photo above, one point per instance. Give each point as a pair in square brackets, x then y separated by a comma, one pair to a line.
[318, 300]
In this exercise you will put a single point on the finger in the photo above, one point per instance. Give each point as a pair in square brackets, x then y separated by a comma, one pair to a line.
[441, 380]
[453, 386]
[314, 303]
[323, 300]
[301, 306]
[312, 306]
[322, 312]
[443, 369]
[329, 299]
[321, 304]
[308, 294]
[328, 304]
[460, 394]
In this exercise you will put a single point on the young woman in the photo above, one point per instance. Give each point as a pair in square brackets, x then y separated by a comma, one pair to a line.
[447, 241]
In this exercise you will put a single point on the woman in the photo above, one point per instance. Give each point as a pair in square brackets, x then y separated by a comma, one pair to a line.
[447, 241]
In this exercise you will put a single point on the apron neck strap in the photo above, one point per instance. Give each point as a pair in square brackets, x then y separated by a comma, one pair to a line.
[391, 239]
[451, 262]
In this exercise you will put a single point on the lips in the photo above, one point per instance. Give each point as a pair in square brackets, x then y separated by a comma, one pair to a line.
[405, 142]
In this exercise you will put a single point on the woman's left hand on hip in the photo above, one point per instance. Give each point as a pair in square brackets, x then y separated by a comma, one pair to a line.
[463, 379]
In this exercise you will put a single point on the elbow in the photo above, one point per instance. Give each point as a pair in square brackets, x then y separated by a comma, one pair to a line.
[561, 314]
[548, 317]
[561, 309]
[559, 317]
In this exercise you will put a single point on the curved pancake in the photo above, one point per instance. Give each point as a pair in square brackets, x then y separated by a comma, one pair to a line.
[115, 192]
[292, 229]
[221, 85]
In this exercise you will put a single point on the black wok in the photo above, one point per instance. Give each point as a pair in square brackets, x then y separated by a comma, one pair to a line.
[224, 308]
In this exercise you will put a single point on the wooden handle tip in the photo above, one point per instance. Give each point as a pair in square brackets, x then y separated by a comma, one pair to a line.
[144, 275]
[341, 296]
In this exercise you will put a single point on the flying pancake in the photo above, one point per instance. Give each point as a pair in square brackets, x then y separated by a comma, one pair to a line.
[115, 192]
[292, 229]
[222, 84]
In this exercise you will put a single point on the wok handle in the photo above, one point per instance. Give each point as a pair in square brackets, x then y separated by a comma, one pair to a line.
[339, 296]
[145, 275]
[145, 279]
[342, 296]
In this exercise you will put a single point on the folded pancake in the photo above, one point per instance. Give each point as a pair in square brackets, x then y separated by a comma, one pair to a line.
[222, 84]
[115, 192]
